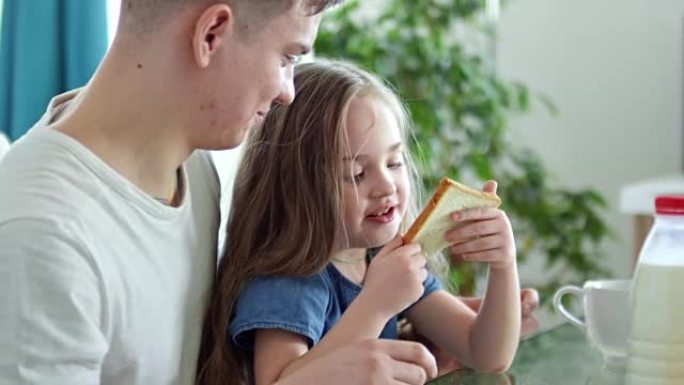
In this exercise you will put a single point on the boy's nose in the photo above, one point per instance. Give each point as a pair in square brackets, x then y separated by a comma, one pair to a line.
[287, 90]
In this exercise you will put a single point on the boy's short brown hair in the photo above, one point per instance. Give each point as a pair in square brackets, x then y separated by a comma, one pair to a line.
[143, 15]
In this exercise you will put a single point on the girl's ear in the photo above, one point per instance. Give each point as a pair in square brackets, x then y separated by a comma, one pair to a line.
[213, 27]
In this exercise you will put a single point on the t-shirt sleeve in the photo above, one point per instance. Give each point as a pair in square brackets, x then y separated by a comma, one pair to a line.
[294, 304]
[51, 312]
[430, 285]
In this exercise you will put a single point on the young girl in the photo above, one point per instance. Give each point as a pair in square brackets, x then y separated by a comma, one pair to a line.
[324, 184]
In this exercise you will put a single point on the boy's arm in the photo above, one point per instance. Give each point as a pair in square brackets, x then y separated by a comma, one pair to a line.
[371, 361]
[51, 308]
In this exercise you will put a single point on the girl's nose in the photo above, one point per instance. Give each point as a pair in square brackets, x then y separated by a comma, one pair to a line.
[383, 186]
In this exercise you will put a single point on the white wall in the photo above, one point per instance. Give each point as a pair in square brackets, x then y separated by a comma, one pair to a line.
[614, 69]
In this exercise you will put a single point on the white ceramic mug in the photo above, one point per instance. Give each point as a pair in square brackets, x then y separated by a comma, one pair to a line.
[606, 314]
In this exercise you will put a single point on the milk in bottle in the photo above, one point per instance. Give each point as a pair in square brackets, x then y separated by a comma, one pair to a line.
[656, 343]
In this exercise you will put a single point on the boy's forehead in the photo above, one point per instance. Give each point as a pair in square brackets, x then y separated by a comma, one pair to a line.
[296, 28]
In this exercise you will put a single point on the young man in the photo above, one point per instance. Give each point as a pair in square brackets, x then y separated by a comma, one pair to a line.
[109, 211]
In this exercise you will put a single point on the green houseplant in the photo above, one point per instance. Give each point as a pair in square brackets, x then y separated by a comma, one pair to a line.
[460, 108]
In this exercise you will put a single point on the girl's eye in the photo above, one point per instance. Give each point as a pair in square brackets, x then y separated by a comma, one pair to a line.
[395, 165]
[356, 178]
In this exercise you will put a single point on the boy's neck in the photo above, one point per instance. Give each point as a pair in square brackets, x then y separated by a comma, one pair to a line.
[119, 117]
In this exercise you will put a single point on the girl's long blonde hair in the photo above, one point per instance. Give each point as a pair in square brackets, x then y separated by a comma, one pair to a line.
[286, 212]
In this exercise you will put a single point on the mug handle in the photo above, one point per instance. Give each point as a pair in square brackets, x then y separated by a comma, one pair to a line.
[558, 303]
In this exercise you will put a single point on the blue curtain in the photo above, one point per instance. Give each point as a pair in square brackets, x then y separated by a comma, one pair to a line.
[46, 47]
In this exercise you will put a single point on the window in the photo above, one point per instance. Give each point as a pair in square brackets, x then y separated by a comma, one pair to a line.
[112, 17]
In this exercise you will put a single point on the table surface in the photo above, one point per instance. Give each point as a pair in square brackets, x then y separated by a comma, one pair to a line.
[559, 356]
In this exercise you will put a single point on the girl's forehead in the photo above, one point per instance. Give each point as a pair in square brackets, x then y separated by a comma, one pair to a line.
[371, 122]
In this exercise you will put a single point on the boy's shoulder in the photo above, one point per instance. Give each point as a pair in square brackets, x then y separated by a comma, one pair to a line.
[38, 176]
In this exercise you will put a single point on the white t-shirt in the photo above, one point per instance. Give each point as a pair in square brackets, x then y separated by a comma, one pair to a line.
[99, 282]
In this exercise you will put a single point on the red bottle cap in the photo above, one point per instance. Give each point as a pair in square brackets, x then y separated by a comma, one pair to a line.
[670, 204]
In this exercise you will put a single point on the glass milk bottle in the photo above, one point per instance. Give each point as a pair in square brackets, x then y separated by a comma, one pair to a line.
[656, 343]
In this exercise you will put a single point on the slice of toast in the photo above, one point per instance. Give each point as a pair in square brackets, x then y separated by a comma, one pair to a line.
[433, 222]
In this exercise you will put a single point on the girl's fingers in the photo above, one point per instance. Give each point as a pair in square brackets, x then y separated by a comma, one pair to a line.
[529, 300]
[418, 260]
[419, 263]
[412, 249]
[422, 275]
[476, 214]
[390, 246]
[478, 243]
[398, 244]
[473, 230]
[491, 255]
[490, 187]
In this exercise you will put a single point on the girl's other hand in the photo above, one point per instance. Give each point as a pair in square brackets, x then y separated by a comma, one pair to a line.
[529, 304]
[529, 299]
[394, 280]
[446, 362]
[483, 235]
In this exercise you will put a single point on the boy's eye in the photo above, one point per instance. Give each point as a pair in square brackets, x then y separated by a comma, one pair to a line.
[292, 59]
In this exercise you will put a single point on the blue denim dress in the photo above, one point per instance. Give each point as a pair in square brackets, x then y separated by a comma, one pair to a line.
[308, 306]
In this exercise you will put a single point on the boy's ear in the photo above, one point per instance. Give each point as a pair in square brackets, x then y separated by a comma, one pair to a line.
[212, 28]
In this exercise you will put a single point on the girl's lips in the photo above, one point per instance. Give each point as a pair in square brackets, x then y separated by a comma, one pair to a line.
[384, 218]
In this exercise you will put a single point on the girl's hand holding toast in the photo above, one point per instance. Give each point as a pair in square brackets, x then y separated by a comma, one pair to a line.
[483, 235]
[395, 277]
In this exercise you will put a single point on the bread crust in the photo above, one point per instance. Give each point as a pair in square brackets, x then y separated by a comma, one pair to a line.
[444, 185]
